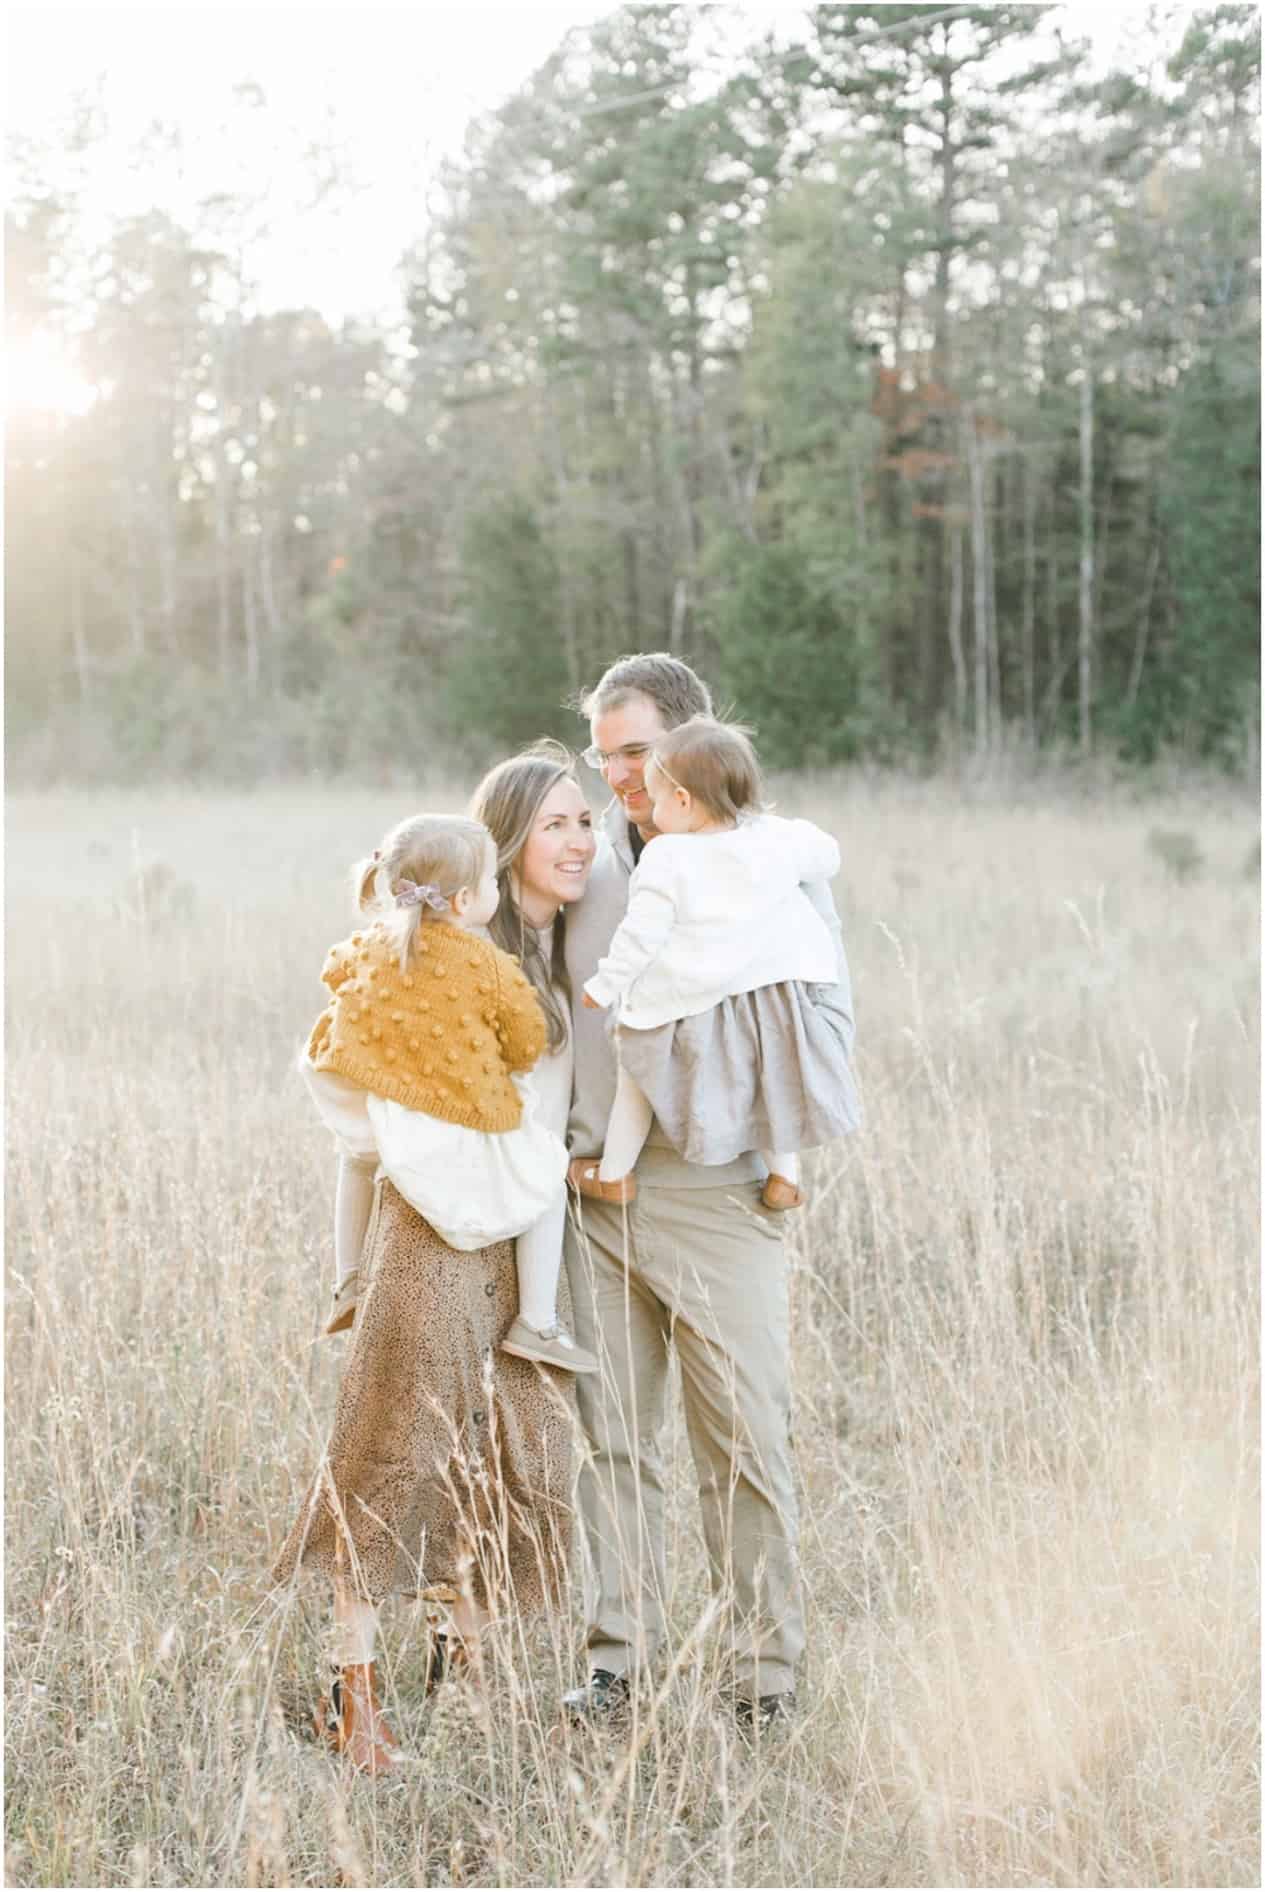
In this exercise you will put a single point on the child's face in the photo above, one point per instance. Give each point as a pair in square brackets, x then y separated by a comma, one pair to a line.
[481, 901]
[672, 808]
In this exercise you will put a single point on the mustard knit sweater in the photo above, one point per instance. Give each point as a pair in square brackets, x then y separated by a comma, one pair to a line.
[441, 1037]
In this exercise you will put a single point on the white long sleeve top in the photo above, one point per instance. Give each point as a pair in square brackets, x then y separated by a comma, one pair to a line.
[712, 915]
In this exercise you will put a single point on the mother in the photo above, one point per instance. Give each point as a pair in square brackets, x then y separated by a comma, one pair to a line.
[448, 1468]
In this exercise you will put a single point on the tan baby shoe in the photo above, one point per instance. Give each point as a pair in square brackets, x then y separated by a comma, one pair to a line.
[778, 1193]
[550, 1346]
[346, 1298]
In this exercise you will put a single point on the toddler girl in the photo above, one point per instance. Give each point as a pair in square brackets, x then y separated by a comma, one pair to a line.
[419, 1063]
[717, 1035]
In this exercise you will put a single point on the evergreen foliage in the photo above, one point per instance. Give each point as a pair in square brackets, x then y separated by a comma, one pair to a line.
[906, 378]
[785, 643]
[505, 681]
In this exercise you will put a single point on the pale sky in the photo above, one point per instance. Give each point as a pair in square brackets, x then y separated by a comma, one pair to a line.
[390, 89]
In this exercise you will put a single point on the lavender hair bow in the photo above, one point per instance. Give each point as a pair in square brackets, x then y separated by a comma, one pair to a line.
[414, 894]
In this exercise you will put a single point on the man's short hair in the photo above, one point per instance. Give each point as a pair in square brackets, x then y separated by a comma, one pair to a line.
[676, 691]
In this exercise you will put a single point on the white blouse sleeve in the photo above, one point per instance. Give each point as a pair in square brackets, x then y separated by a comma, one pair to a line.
[343, 1108]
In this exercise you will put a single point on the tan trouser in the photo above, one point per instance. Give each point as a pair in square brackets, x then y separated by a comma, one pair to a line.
[706, 1271]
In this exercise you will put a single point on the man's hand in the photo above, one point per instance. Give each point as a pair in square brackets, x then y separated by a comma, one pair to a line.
[592, 1004]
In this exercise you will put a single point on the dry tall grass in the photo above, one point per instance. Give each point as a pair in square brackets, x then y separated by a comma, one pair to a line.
[1025, 1319]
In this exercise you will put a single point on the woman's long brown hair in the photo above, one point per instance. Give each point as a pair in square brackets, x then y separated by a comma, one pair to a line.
[507, 802]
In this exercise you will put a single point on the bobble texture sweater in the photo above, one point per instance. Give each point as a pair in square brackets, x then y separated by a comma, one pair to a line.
[442, 1036]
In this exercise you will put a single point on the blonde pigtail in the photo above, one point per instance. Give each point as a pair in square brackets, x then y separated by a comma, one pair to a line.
[405, 925]
[364, 881]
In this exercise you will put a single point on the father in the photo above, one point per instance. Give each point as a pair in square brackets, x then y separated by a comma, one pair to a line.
[695, 1261]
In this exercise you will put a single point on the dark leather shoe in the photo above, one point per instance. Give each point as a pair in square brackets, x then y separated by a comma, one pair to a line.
[603, 1697]
[757, 1717]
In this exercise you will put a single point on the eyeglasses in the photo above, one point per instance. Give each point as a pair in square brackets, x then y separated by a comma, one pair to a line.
[601, 759]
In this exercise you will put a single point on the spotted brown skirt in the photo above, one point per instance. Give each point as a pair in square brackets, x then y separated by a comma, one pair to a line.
[449, 1463]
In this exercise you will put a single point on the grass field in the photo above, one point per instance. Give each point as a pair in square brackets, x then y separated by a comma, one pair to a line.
[1026, 1321]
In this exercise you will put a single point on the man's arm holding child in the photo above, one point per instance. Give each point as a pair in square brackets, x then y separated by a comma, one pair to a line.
[815, 857]
[834, 1000]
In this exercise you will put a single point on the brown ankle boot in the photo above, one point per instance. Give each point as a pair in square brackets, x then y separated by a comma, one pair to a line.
[351, 1721]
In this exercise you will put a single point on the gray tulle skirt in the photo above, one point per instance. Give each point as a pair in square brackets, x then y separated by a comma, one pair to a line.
[765, 1070]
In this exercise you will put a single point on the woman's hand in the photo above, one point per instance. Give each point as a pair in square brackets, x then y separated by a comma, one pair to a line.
[592, 1004]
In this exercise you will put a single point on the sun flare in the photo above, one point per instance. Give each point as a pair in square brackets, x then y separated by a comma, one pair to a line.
[41, 377]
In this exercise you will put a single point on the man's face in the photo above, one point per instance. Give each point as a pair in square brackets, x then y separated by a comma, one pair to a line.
[625, 736]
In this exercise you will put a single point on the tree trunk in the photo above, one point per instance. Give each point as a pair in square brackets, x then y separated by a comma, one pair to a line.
[685, 510]
[250, 620]
[268, 583]
[979, 578]
[933, 528]
[864, 628]
[1102, 546]
[955, 632]
[566, 589]
[680, 608]
[223, 596]
[892, 630]
[78, 632]
[223, 532]
[1028, 609]
[694, 468]
[166, 560]
[741, 489]
[659, 420]
[135, 601]
[168, 456]
[621, 506]
[1142, 637]
[1085, 635]
[990, 593]
[632, 592]
[1056, 667]
[946, 208]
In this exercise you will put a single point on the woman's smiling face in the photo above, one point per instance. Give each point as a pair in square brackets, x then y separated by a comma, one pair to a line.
[553, 869]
